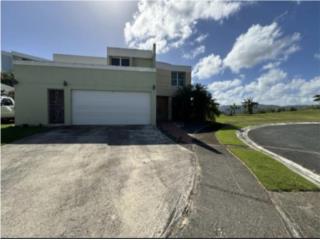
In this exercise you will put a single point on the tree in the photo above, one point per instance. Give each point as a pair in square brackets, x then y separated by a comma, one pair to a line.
[181, 103]
[248, 105]
[194, 103]
[213, 109]
[316, 98]
[233, 108]
[8, 79]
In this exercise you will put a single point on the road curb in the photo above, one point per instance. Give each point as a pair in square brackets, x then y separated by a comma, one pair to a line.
[291, 227]
[184, 202]
[242, 134]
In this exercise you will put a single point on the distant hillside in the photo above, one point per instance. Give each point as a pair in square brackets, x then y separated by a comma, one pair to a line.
[225, 108]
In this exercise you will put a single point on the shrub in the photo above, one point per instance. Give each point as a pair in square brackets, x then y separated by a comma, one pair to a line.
[261, 111]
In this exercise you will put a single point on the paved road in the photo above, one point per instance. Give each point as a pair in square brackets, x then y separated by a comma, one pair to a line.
[92, 182]
[228, 202]
[299, 143]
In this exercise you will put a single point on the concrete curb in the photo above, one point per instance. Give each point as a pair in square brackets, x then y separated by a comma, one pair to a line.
[291, 227]
[306, 173]
[184, 202]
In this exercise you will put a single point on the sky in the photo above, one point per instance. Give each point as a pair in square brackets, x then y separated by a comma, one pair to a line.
[269, 51]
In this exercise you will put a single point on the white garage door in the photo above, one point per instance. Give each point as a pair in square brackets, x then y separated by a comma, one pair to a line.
[110, 108]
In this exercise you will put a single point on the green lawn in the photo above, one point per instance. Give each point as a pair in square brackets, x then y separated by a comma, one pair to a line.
[272, 174]
[10, 133]
[243, 120]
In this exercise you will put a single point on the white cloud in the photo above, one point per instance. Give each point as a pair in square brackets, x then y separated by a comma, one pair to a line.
[224, 85]
[317, 55]
[207, 67]
[272, 87]
[195, 52]
[271, 77]
[226, 92]
[201, 38]
[260, 44]
[271, 65]
[169, 23]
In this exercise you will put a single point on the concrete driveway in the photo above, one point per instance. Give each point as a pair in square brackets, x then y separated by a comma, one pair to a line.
[94, 182]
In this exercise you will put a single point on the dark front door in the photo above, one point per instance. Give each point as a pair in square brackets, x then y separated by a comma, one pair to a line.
[56, 106]
[162, 108]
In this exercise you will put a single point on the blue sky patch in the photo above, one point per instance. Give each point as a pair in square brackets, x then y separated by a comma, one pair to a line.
[266, 50]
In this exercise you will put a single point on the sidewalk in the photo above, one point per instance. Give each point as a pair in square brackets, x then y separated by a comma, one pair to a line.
[229, 202]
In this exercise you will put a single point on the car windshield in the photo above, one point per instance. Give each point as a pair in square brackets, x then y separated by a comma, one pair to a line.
[6, 102]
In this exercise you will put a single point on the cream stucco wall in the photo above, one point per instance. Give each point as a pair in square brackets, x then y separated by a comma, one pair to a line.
[164, 87]
[35, 80]
[142, 62]
[67, 58]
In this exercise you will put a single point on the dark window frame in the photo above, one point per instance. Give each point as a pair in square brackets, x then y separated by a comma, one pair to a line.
[126, 59]
[181, 78]
[115, 59]
[120, 61]
[178, 78]
[174, 81]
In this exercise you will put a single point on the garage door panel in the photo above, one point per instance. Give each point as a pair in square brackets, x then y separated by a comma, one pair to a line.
[113, 108]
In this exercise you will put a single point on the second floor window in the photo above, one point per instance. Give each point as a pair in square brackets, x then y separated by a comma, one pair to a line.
[117, 61]
[125, 62]
[178, 78]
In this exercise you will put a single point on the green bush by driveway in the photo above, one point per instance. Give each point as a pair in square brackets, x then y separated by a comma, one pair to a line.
[10, 133]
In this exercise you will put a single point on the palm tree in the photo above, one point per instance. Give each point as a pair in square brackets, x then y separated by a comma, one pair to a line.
[203, 105]
[248, 105]
[181, 103]
[194, 103]
[213, 109]
[233, 108]
[316, 98]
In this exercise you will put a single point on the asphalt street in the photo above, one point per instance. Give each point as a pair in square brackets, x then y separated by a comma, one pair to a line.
[299, 143]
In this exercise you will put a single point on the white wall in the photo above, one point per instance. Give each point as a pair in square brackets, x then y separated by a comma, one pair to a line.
[63, 58]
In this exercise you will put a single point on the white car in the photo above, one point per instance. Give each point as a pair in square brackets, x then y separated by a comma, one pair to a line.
[7, 108]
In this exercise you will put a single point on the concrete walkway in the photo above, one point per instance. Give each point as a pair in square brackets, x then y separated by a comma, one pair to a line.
[228, 201]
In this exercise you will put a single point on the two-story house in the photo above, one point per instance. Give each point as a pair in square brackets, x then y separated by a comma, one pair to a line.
[128, 86]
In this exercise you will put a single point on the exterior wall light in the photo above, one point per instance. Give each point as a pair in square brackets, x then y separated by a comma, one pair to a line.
[65, 83]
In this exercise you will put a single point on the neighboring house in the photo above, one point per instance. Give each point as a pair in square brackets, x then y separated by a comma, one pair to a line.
[126, 87]
[7, 59]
